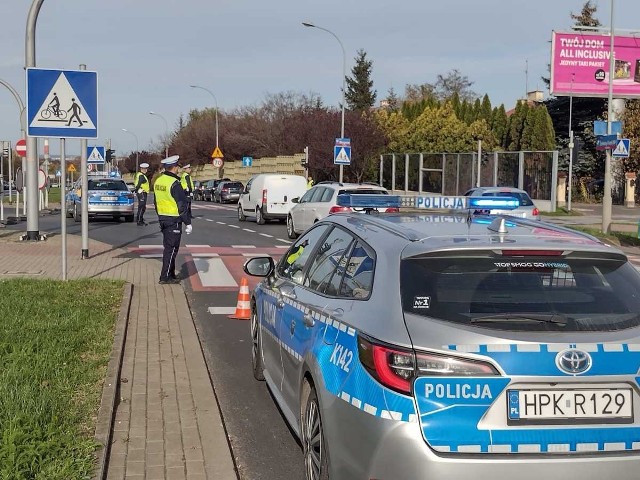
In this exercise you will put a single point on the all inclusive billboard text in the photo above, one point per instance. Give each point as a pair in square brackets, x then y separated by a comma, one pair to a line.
[580, 65]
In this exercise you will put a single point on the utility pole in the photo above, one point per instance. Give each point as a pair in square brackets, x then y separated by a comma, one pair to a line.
[84, 200]
[606, 199]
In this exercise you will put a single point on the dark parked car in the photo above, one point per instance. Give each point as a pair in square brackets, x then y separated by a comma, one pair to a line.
[209, 188]
[198, 186]
[228, 192]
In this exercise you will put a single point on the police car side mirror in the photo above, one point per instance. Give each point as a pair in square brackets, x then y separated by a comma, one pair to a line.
[296, 200]
[259, 266]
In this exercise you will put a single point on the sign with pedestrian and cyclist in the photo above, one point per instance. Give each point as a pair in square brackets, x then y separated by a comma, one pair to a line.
[342, 151]
[95, 155]
[62, 103]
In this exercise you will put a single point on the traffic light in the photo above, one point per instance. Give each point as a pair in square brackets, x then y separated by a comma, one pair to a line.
[111, 155]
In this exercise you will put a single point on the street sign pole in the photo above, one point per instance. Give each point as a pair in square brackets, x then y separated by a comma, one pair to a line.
[606, 199]
[63, 208]
[85, 192]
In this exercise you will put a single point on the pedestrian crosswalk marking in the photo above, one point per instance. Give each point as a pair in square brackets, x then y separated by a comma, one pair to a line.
[243, 246]
[214, 273]
[222, 310]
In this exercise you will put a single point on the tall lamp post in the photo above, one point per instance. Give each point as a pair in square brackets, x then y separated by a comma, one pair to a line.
[344, 75]
[215, 100]
[570, 143]
[166, 126]
[137, 146]
[606, 199]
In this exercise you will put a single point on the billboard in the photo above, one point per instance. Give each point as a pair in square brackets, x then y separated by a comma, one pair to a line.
[580, 65]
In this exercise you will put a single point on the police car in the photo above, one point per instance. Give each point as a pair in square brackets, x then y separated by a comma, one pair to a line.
[108, 196]
[451, 346]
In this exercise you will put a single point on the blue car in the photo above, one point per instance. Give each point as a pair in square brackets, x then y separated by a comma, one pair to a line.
[108, 197]
[426, 345]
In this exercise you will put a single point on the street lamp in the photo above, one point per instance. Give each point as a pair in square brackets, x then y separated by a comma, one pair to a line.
[344, 75]
[215, 100]
[166, 126]
[137, 146]
[570, 142]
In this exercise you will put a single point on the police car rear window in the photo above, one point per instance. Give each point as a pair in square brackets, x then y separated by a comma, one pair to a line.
[532, 293]
[108, 185]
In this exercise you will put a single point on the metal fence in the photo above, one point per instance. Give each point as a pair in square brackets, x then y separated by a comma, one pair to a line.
[456, 173]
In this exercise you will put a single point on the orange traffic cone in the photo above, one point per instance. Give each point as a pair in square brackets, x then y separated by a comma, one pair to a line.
[243, 308]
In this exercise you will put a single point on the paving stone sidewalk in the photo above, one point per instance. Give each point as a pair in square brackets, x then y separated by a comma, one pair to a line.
[167, 423]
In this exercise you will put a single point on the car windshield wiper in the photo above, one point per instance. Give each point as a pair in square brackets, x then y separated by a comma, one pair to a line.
[522, 318]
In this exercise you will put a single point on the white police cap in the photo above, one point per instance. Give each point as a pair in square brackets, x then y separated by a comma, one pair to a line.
[170, 161]
[188, 165]
[144, 165]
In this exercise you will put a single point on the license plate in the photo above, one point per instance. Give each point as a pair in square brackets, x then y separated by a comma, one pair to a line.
[108, 199]
[613, 405]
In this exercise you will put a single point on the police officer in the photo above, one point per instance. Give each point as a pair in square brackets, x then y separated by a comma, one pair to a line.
[187, 183]
[309, 182]
[141, 183]
[172, 207]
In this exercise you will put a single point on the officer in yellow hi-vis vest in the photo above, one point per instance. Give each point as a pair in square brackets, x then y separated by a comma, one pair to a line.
[187, 184]
[141, 183]
[172, 206]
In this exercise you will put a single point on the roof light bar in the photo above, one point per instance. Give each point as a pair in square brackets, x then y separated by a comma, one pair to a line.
[488, 203]
[368, 201]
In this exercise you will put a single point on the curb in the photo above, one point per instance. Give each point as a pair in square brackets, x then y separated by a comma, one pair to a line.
[110, 388]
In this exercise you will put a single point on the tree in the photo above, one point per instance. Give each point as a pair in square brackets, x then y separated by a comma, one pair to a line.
[484, 113]
[586, 17]
[360, 95]
[418, 92]
[631, 119]
[499, 124]
[516, 127]
[393, 102]
[454, 82]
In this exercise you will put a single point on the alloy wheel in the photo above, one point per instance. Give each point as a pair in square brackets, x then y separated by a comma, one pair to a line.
[312, 440]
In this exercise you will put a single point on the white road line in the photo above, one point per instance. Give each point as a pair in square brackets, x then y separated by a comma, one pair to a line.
[283, 240]
[221, 223]
[152, 255]
[149, 247]
[249, 230]
[243, 246]
[205, 255]
[209, 219]
[234, 226]
[255, 254]
[266, 235]
[281, 246]
[222, 310]
[196, 246]
[214, 273]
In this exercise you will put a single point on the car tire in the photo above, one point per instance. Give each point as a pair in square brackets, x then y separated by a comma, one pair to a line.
[241, 216]
[260, 220]
[316, 457]
[76, 214]
[256, 347]
[116, 218]
[291, 232]
[128, 218]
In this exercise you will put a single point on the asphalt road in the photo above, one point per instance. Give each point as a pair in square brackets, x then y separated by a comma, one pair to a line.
[263, 445]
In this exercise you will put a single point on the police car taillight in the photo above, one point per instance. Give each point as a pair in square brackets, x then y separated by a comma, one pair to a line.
[535, 212]
[396, 368]
[392, 210]
[338, 209]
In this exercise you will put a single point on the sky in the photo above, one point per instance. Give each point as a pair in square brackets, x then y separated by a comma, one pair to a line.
[148, 52]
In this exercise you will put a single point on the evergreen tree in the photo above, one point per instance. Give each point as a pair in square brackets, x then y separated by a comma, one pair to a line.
[360, 95]
[586, 17]
[499, 124]
[393, 102]
[455, 103]
[485, 110]
[527, 137]
[516, 126]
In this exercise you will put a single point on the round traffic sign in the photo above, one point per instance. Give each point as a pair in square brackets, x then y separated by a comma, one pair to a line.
[42, 179]
[21, 147]
[217, 162]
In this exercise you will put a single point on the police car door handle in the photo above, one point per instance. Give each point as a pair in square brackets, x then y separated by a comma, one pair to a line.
[308, 320]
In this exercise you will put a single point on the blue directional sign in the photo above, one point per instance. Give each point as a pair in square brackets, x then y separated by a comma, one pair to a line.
[622, 148]
[342, 151]
[62, 103]
[600, 128]
[95, 155]
[247, 161]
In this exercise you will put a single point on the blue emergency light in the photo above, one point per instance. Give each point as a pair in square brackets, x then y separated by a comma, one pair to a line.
[368, 201]
[491, 203]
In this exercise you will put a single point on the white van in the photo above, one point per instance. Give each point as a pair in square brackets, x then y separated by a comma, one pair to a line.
[268, 196]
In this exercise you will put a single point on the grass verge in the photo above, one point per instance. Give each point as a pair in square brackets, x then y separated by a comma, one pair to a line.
[54, 197]
[55, 342]
[561, 212]
[617, 238]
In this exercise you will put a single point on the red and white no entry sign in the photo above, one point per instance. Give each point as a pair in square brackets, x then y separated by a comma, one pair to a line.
[21, 147]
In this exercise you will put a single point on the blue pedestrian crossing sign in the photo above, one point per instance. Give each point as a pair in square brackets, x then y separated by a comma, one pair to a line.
[247, 161]
[62, 103]
[95, 155]
[622, 148]
[342, 151]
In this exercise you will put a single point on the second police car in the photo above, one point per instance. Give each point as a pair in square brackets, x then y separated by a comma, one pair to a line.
[429, 346]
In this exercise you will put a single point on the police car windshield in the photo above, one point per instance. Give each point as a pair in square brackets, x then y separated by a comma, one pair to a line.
[117, 185]
[537, 293]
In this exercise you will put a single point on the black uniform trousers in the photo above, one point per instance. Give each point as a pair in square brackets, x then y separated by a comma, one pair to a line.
[171, 234]
[142, 207]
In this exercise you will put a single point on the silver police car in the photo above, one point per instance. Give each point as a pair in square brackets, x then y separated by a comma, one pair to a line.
[429, 346]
